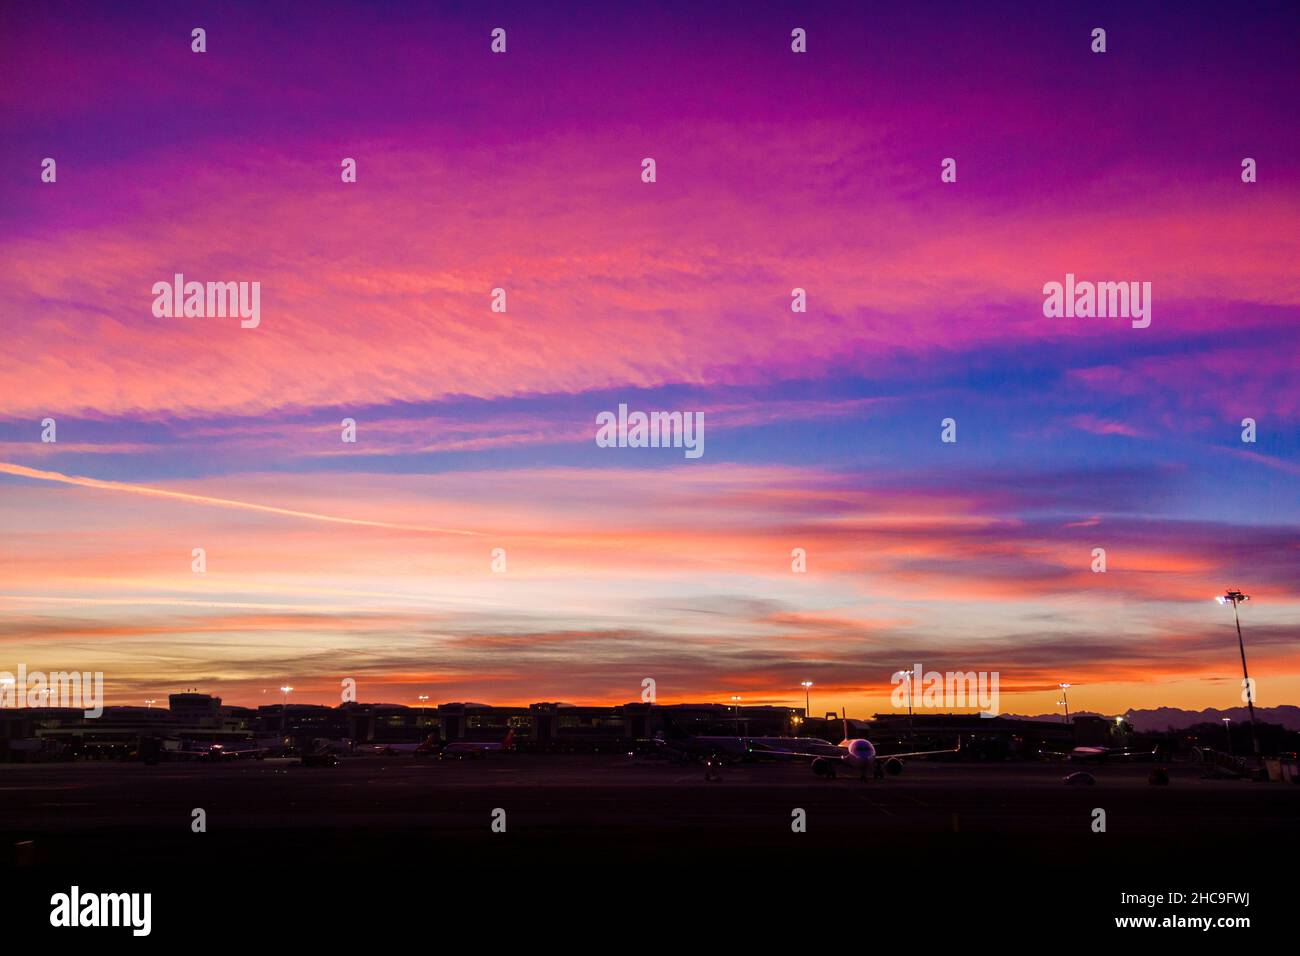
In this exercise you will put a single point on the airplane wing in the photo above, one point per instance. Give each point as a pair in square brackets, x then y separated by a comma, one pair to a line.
[827, 749]
[832, 752]
[1130, 754]
[1098, 754]
[920, 753]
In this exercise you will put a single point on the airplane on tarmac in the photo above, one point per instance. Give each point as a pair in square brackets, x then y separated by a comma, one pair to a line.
[431, 747]
[1100, 754]
[828, 760]
[856, 756]
[428, 747]
[215, 752]
[319, 754]
[461, 749]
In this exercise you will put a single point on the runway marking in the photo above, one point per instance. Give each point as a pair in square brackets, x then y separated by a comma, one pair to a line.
[923, 806]
[866, 799]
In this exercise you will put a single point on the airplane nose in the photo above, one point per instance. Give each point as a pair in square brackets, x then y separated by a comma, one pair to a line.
[862, 749]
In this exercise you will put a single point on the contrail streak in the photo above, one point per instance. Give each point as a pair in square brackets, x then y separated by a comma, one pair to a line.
[25, 472]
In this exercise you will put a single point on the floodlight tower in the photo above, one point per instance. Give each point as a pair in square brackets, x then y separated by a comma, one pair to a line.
[911, 722]
[1235, 597]
[284, 709]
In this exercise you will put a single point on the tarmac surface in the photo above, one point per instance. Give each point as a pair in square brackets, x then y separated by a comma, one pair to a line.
[959, 824]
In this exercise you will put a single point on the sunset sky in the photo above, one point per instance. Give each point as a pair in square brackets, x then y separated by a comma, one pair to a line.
[475, 430]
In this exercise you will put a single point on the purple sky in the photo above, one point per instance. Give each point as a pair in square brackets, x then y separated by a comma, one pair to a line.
[775, 171]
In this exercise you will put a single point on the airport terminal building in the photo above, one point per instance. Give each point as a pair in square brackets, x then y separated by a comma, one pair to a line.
[34, 732]
[47, 733]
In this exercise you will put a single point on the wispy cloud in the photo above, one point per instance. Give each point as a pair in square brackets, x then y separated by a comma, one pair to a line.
[22, 471]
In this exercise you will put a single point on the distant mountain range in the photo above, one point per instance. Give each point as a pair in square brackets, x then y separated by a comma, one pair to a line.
[1175, 718]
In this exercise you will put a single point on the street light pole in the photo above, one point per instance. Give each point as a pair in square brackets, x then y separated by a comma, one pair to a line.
[1065, 699]
[1227, 725]
[807, 698]
[1236, 597]
[284, 710]
[911, 724]
[423, 720]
